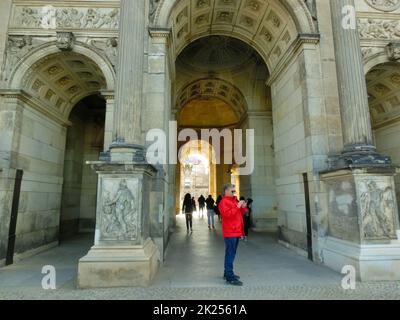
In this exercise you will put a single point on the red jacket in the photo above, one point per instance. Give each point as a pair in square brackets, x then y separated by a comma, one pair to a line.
[232, 217]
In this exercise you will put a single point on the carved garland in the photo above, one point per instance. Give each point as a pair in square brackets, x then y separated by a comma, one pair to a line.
[384, 5]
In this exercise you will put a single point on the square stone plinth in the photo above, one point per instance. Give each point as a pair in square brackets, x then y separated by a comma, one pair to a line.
[362, 222]
[118, 266]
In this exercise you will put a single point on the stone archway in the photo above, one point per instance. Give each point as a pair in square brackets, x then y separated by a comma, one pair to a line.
[298, 10]
[45, 87]
[269, 27]
[275, 32]
[383, 85]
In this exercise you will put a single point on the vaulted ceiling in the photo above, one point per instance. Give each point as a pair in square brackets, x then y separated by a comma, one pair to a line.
[209, 94]
[383, 84]
[260, 23]
[61, 80]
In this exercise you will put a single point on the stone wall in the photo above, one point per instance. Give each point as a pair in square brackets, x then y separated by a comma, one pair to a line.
[72, 187]
[92, 145]
[84, 142]
[302, 127]
[157, 100]
[260, 186]
[388, 143]
[10, 126]
[41, 157]
[290, 152]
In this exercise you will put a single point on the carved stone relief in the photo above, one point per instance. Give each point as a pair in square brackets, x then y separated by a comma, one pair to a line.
[384, 5]
[67, 18]
[108, 46]
[393, 51]
[119, 210]
[153, 9]
[377, 206]
[65, 41]
[17, 48]
[379, 29]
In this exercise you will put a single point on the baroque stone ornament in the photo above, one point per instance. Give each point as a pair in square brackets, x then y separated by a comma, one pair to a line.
[384, 5]
[379, 29]
[119, 212]
[153, 9]
[108, 46]
[65, 41]
[17, 48]
[393, 51]
[377, 210]
[49, 17]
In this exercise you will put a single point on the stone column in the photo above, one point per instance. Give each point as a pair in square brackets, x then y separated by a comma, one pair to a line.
[108, 126]
[362, 211]
[124, 253]
[353, 97]
[129, 90]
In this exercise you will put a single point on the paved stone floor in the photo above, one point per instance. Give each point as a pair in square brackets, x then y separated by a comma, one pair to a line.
[193, 270]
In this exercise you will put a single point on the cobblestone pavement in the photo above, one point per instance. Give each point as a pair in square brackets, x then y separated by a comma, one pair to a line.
[371, 291]
[193, 270]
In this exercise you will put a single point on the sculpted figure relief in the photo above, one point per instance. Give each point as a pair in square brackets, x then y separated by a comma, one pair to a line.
[74, 18]
[109, 47]
[153, 9]
[393, 51]
[17, 47]
[119, 219]
[377, 209]
[379, 29]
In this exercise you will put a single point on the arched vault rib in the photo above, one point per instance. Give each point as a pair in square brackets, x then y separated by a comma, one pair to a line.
[213, 88]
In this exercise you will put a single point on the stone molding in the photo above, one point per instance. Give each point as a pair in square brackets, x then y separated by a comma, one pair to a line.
[35, 104]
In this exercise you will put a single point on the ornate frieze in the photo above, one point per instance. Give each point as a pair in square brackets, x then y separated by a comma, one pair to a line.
[384, 5]
[379, 29]
[49, 17]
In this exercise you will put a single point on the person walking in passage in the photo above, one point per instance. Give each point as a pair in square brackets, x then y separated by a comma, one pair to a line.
[216, 207]
[187, 209]
[232, 212]
[247, 219]
[194, 205]
[202, 203]
[210, 212]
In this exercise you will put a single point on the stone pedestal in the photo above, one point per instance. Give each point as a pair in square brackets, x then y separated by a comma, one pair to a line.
[123, 253]
[362, 222]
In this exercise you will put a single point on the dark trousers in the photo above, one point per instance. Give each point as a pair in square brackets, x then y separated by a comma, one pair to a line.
[189, 221]
[231, 245]
[246, 221]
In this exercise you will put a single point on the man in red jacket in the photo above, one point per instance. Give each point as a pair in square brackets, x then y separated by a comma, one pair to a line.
[232, 212]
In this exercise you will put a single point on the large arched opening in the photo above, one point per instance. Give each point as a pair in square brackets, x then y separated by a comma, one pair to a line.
[220, 87]
[62, 126]
[383, 85]
[258, 59]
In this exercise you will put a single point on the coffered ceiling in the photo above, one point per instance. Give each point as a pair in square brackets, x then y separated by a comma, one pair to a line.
[61, 80]
[383, 84]
[262, 24]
